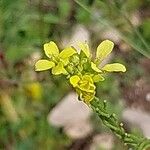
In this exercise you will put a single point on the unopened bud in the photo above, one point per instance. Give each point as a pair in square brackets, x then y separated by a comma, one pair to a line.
[75, 60]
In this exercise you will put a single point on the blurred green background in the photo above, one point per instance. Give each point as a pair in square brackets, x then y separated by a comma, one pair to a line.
[25, 25]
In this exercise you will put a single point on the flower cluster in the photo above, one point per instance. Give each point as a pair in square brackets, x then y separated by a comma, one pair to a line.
[81, 69]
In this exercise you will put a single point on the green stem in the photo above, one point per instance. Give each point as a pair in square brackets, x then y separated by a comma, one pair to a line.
[110, 120]
[109, 24]
[135, 30]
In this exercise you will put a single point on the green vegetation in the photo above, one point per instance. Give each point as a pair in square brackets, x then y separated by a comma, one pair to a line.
[25, 25]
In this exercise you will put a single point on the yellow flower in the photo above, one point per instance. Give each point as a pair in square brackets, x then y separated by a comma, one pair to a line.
[103, 50]
[84, 86]
[58, 60]
[34, 90]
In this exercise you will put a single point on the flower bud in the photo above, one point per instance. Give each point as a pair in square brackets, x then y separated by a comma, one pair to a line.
[75, 60]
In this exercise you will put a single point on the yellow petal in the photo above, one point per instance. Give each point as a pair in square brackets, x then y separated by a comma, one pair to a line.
[95, 68]
[43, 65]
[98, 77]
[87, 97]
[115, 67]
[83, 89]
[89, 87]
[74, 80]
[51, 49]
[67, 52]
[59, 69]
[104, 49]
[85, 48]
[65, 61]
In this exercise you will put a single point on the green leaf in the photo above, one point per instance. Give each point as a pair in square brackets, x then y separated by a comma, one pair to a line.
[51, 18]
[64, 8]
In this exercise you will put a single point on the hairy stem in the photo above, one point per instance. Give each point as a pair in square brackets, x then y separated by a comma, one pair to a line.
[110, 120]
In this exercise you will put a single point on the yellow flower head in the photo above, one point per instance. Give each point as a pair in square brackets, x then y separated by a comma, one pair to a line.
[81, 69]
[84, 86]
[58, 60]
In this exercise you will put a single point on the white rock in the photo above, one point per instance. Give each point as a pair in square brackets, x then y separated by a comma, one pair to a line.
[111, 34]
[138, 118]
[35, 56]
[102, 141]
[148, 97]
[79, 129]
[73, 115]
[79, 34]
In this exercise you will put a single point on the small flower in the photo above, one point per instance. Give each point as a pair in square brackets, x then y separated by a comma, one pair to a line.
[58, 60]
[84, 86]
[103, 50]
[34, 90]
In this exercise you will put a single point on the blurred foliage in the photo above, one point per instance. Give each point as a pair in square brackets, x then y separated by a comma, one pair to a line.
[24, 26]
[145, 29]
[119, 15]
